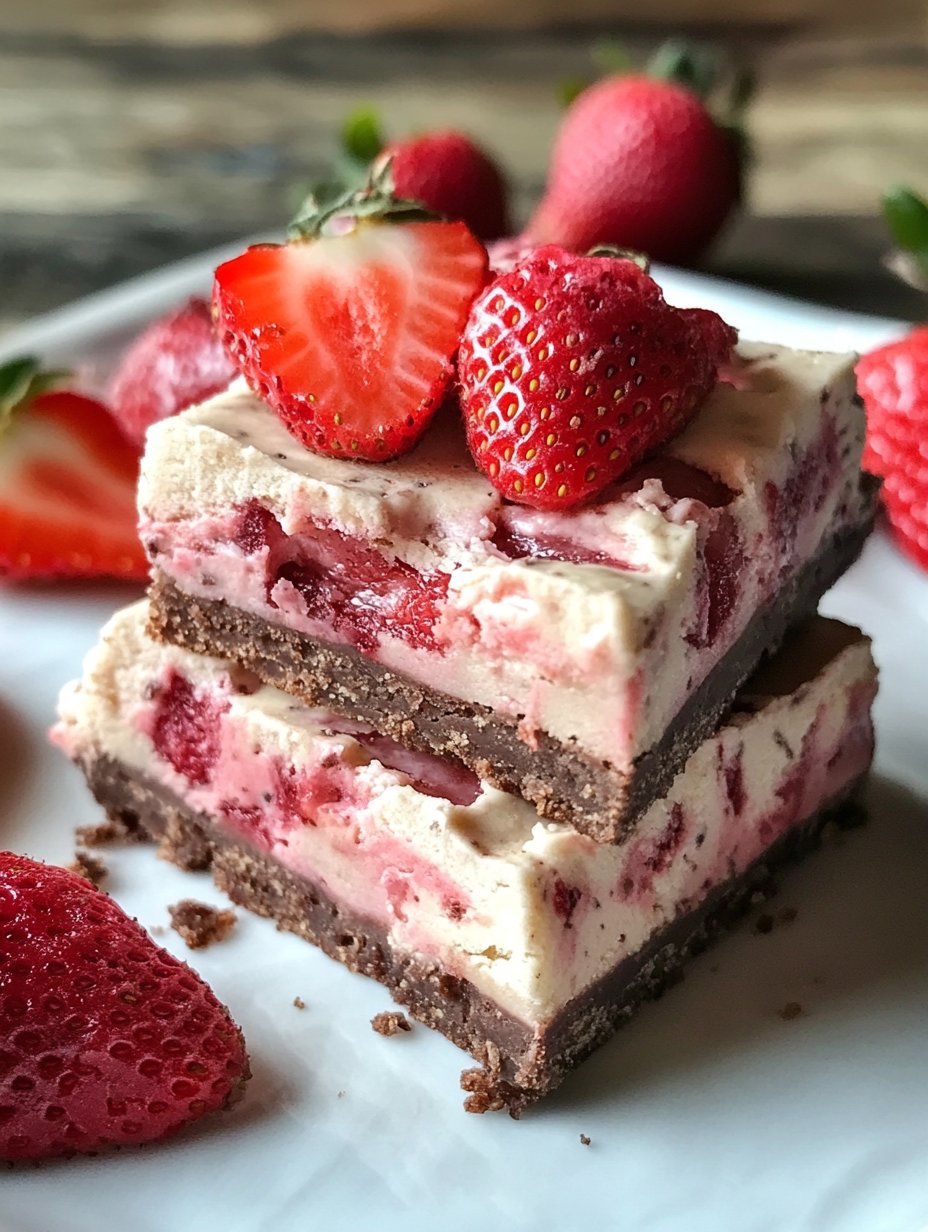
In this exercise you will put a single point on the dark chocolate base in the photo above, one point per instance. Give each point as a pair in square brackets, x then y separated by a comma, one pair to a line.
[520, 1062]
[562, 782]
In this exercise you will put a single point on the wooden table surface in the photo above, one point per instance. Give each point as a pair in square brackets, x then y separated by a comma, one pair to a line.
[125, 146]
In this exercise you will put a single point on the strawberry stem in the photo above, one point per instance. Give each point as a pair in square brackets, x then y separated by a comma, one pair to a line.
[906, 215]
[641, 259]
[571, 88]
[21, 380]
[696, 66]
[362, 138]
[610, 56]
[340, 214]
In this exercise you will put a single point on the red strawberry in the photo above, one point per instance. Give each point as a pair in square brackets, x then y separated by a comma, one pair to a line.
[641, 163]
[67, 484]
[105, 1038]
[445, 170]
[174, 363]
[893, 381]
[451, 175]
[349, 330]
[573, 368]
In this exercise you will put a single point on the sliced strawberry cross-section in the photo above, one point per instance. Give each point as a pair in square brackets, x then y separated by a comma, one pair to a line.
[67, 483]
[349, 330]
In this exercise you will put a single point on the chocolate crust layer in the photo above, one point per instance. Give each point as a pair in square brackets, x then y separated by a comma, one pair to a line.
[559, 779]
[520, 1062]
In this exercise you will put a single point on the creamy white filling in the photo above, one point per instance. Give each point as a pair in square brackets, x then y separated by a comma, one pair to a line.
[531, 913]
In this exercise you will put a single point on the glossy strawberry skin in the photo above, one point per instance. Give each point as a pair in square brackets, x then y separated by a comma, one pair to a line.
[572, 369]
[640, 163]
[893, 381]
[176, 362]
[350, 339]
[67, 493]
[105, 1039]
[447, 172]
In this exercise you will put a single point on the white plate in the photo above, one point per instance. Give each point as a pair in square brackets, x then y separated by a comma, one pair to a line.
[708, 1114]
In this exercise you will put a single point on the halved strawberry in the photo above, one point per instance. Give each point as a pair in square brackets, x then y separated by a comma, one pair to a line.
[67, 483]
[349, 330]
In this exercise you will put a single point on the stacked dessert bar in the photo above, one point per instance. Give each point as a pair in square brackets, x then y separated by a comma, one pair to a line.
[517, 764]
[477, 751]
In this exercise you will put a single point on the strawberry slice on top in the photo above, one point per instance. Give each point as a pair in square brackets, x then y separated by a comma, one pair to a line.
[67, 483]
[349, 330]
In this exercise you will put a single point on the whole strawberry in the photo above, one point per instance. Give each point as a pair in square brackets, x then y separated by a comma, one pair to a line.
[105, 1039]
[174, 363]
[445, 170]
[451, 175]
[639, 161]
[349, 330]
[572, 369]
[893, 381]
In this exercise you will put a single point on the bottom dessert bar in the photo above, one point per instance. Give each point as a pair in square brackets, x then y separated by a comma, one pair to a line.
[519, 1063]
[523, 941]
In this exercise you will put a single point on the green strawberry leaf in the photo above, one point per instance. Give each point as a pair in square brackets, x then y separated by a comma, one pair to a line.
[695, 66]
[571, 88]
[741, 93]
[362, 138]
[21, 380]
[611, 57]
[906, 214]
[332, 211]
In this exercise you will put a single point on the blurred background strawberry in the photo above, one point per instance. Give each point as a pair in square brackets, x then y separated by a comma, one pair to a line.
[651, 160]
[444, 169]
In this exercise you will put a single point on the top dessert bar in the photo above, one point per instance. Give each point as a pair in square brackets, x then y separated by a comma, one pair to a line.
[576, 658]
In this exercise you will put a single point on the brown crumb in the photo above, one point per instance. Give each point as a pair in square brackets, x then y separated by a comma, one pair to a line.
[766, 923]
[390, 1022]
[791, 1010]
[487, 1090]
[585, 1140]
[107, 834]
[86, 865]
[200, 924]
[299, 1003]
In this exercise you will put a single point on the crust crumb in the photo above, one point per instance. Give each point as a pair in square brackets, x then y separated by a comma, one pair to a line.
[107, 833]
[390, 1022]
[88, 866]
[299, 1003]
[791, 1010]
[766, 922]
[200, 924]
[585, 1140]
[487, 1090]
